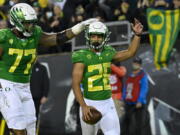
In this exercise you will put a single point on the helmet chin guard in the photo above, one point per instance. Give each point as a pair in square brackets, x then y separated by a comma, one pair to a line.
[97, 28]
[22, 13]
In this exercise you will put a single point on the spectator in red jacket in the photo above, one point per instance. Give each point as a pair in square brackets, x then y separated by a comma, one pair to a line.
[117, 73]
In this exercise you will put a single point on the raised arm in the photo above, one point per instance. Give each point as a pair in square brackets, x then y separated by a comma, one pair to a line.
[52, 39]
[126, 54]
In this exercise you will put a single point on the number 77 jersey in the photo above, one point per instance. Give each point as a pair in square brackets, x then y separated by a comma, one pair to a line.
[18, 55]
[95, 82]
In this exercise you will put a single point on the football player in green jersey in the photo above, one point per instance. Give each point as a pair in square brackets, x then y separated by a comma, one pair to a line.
[91, 68]
[18, 52]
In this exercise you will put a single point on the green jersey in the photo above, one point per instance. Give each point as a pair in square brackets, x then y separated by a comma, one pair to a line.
[95, 80]
[18, 55]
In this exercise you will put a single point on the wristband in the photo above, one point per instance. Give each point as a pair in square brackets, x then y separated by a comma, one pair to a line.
[139, 35]
[61, 37]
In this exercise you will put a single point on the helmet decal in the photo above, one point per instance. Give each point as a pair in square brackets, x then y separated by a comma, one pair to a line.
[15, 15]
[21, 13]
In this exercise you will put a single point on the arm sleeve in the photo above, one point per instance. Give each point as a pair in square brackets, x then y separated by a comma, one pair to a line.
[2, 37]
[143, 89]
[38, 32]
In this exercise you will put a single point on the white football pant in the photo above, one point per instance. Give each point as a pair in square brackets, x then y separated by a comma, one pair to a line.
[17, 106]
[109, 122]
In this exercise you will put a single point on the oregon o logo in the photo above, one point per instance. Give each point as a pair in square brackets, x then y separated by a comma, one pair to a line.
[158, 14]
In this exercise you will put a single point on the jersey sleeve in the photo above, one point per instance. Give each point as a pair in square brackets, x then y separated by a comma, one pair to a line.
[111, 51]
[2, 37]
[38, 31]
[77, 57]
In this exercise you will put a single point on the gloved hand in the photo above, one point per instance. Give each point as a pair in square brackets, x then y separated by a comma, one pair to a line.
[89, 21]
[78, 28]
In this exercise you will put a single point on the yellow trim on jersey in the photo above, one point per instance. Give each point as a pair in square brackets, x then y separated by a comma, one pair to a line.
[2, 127]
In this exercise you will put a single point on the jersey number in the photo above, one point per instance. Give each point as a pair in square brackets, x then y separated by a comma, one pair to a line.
[103, 74]
[20, 53]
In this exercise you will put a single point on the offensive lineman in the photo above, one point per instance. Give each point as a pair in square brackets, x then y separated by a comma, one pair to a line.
[91, 68]
[18, 52]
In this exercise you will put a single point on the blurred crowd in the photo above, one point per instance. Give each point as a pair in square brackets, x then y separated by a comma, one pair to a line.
[57, 15]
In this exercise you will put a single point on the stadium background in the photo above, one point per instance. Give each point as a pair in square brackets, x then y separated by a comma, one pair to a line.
[164, 83]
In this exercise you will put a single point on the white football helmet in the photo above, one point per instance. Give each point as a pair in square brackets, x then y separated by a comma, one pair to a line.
[100, 29]
[22, 13]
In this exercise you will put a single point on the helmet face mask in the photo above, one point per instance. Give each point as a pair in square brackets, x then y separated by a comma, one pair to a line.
[23, 17]
[101, 31]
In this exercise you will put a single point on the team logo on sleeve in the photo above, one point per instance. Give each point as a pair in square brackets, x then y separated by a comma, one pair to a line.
[89, 56]
[107, 54]
[11, 41]
[32, 40]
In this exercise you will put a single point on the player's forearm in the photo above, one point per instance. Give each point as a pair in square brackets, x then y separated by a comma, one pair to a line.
[64, 36]
[78, 94]
[73, 31]
[68, 34]
[134, 45]
[130, 52]
[53, 39]
[77, 75]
